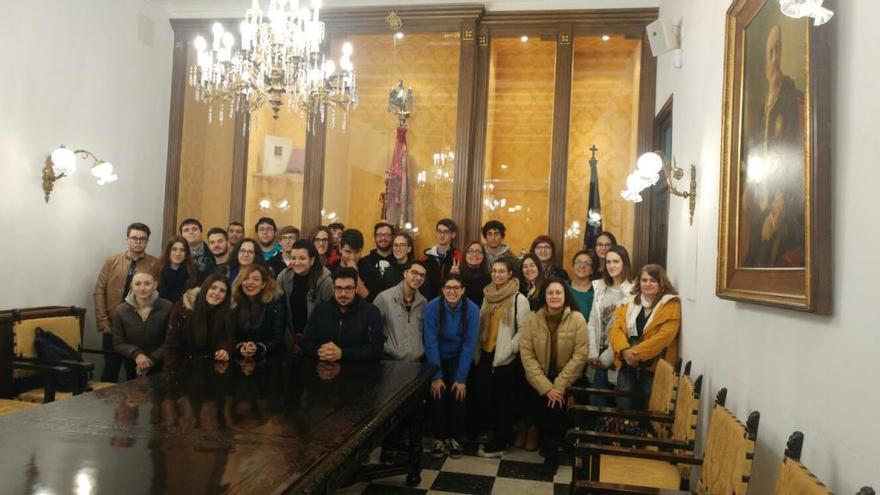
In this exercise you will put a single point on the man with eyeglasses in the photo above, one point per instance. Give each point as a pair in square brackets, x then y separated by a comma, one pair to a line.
[286, 237]
[441, 258]
[346, 328]
[113, 285]
[372, 267]
[402, 308]
[265, 230]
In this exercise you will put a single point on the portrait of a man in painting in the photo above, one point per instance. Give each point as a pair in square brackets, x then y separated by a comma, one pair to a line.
[771, 231]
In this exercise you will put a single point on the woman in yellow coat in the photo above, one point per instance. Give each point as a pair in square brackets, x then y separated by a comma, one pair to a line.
[645, 328]
[553, 349]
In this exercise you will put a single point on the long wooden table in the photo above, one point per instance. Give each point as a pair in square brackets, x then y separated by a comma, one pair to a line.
[295, 426]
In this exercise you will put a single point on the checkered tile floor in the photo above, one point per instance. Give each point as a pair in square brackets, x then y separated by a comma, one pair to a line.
[517, 472]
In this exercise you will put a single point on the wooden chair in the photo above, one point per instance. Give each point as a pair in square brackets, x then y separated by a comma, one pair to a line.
[726, 464]
[661, 402]
[617, 469]
[65, 322]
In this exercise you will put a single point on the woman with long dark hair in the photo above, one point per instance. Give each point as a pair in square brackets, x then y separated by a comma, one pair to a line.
[200, 324]
[497, 374]
[645, 328]
[553, 348]
[305, 284]
[610, 291]
[246, 253]
[451, 327]
[322, 238]
[175, 270]
[604, 241]
[545, 249]
[475, 272]
[257, 312]
[531, 280]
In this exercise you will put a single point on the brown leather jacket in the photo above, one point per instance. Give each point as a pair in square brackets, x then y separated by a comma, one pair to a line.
[111, 281]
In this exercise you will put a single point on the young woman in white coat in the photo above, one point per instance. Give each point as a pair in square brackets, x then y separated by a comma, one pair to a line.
[610, 291]
[498, 370]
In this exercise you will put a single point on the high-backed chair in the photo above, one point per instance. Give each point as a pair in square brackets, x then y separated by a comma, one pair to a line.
[661, 402]
[617, 469]
[65, 322]
[726, 464]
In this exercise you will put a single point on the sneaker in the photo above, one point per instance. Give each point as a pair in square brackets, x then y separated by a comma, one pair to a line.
[438, 450]
[454, 448]
[495, 448]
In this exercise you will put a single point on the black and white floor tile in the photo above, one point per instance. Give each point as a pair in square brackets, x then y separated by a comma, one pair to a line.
[516, 472]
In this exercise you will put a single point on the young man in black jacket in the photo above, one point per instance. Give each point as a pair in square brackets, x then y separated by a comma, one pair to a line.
[346, 327]
[441, 258]
[371, 267]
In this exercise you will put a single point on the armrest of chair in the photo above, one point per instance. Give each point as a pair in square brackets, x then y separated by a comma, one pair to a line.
[607, 392]
[593, 449]
[597, 487]
[52, 374]
[623, 413]
[87, 350]
[588, 435]
[84, 366]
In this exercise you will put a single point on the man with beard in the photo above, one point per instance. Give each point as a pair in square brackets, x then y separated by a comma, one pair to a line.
[218, 245]
[371, 268]
[235, 231]
[346, 328]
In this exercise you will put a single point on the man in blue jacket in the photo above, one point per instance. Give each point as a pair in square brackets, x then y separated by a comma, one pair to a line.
[347, 327]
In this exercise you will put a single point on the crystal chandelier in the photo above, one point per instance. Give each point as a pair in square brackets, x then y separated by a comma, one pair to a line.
[280, 63]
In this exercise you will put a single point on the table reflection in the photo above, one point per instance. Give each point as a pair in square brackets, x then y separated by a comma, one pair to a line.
[238, 427]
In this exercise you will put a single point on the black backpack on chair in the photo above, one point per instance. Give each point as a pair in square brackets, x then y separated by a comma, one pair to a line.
[50, 347]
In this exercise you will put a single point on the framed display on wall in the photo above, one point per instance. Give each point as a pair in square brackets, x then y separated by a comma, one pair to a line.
[775, 213]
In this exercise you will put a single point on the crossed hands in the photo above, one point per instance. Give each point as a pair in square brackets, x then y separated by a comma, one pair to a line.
[329, 352]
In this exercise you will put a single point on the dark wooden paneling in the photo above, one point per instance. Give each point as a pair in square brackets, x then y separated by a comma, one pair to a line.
[658, 216]
[645, 143]
[175, 135]
[477, 169]
[464, 126]
[238, 191]
[559, 149]
[313, 178]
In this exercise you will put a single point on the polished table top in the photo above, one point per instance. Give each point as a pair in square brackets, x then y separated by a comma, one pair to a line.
[236, 428]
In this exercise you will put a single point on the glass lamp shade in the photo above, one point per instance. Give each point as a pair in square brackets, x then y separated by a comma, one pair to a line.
[103, 171]
[63, 161]
[649, 166]
[806, 8]
[633, 196]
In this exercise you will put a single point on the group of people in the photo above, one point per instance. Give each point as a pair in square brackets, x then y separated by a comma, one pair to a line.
[508, 336]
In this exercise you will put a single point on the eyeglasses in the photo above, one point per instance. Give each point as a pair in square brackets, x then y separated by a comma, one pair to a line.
[400, 245]
[139, 240]
[266, 228]
[583, 263]
[474, 251]
[452, 288]
[542, 247]
[322, 240]
[246, 251]
[344, 290]
[417, 274]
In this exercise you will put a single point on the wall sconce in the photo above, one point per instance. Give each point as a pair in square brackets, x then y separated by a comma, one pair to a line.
[647, 173]
[62, 163]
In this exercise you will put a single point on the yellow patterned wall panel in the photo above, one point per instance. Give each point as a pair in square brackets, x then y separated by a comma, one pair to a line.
[205, 163]
[356, 159]
[519, 137]
[604, 112]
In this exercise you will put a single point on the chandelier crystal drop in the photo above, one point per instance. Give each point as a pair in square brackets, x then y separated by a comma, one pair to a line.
[280, 64]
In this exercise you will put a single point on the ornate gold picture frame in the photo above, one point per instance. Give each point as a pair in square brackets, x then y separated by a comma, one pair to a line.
[774, 229]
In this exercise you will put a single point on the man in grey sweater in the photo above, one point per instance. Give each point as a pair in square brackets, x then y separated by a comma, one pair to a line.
[402, 308]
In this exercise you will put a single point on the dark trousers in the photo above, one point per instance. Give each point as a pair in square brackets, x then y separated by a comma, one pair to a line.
[634, 380]
[496, 391]
[113, 362]
[552, 422]
[447, 413]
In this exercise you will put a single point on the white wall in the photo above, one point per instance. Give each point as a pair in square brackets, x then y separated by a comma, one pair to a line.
[93, 75]
[802, 372]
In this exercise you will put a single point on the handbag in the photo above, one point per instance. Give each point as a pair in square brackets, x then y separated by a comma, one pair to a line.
[51, 347]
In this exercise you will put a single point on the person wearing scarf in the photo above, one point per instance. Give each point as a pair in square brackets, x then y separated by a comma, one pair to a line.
[645, 328]
[498, 371]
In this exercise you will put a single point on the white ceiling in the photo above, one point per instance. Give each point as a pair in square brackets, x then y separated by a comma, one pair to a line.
[235, 8]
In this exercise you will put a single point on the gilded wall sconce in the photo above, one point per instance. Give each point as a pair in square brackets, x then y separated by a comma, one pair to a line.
[62, 163]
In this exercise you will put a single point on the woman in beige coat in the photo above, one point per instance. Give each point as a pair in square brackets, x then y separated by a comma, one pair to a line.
[553, 349]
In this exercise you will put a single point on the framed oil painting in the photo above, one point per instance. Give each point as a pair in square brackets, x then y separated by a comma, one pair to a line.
[774, 229]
